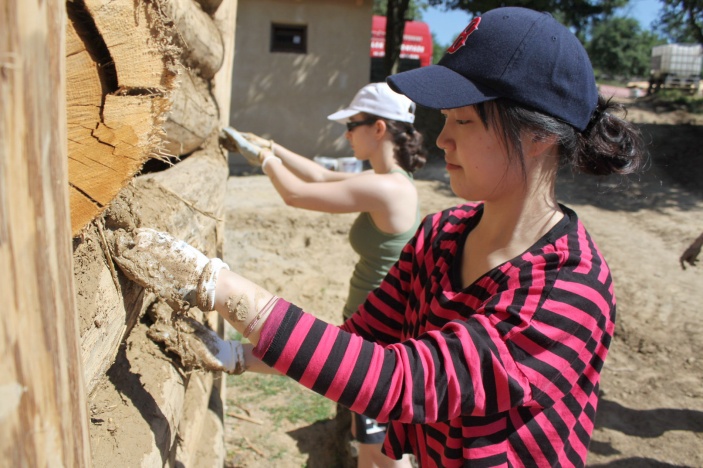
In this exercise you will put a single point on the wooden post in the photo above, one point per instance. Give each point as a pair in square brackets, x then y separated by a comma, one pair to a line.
[43, 415]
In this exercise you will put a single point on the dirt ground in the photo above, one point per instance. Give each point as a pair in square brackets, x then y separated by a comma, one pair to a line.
[651, 411]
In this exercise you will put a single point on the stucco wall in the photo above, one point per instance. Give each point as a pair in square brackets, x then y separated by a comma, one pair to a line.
[287, 96]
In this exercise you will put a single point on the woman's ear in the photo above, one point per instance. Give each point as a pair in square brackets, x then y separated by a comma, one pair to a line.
[380, 128]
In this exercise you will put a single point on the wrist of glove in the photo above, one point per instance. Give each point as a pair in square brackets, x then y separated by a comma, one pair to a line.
[170, 267]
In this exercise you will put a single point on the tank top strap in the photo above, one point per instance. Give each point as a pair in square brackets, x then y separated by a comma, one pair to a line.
[404, 172]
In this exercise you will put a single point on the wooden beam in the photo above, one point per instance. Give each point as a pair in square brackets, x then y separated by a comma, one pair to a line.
[43, 415]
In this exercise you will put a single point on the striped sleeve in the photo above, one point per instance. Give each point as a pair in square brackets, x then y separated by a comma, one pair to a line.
[465, 368]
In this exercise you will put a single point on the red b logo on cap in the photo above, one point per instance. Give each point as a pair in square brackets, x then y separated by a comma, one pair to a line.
[461, 40]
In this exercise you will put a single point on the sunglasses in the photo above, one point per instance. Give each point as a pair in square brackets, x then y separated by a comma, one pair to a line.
[353, 124]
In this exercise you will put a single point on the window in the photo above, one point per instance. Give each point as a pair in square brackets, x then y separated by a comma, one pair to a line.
[289, 38]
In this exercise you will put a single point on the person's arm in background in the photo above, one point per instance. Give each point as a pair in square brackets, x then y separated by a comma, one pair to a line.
[349, 193]
[355, 193]
[307, 169]
[302, 167]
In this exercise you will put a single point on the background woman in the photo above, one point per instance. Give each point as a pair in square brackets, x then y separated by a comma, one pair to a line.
[380, 130]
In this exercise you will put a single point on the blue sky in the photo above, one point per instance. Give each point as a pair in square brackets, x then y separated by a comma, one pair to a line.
[447, 25]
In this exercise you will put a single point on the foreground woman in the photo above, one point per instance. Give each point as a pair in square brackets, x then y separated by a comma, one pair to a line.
[484, 344]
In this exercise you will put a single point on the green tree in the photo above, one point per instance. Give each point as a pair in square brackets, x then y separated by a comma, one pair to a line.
[619, 46]
[577, 14]
[397, 12]
[681, 21]
[438, 49]
[414, 11]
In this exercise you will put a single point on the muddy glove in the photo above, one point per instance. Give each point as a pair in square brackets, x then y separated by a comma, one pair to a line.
[225, 355]
[198, 346]
[234, 141]
[258, 141]
[173, 269]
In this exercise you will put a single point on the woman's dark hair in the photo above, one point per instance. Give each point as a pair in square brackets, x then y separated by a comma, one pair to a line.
[609, 145]
[409, 151]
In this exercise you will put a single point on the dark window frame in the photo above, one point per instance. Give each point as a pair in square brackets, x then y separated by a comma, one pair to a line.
[282, 38]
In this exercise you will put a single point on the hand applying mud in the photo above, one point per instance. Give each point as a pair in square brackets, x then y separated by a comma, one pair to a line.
[198, 346]
[170, 267]
[234, 141]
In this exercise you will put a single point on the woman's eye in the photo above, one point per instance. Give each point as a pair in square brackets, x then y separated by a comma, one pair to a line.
[462, 122]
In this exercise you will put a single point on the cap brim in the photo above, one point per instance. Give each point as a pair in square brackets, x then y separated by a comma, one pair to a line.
[438, 87]
[343, 115]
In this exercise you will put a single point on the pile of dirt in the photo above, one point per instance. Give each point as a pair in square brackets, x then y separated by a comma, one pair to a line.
[651, 411]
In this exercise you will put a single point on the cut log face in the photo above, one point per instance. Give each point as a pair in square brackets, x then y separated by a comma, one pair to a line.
[116, 101]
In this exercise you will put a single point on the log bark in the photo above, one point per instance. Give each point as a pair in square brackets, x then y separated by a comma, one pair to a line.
[199, 37]
[150, 390]
[43, 417]
[226, 19]
[135, 412]
[194, 420]
[175, 201]
[211, 447]
[193, 115]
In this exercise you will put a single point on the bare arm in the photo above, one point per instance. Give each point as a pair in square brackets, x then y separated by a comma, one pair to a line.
[306, 169]
[364, 192]
[242, 303]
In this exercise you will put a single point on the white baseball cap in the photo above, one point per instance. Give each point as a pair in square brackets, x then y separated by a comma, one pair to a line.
[380, 100]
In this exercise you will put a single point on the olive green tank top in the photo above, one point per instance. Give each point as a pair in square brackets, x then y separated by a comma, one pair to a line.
[378, 251]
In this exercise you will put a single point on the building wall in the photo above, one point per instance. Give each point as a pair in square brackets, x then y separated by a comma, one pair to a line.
[288, 96]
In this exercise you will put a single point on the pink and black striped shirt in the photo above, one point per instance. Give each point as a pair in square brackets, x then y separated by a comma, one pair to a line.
[504, 372]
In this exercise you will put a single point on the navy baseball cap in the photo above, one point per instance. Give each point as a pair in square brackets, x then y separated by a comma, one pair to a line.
[513, 53]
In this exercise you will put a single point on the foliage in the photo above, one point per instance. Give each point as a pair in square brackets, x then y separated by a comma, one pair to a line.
[620, 47]
[677, 99]
[577, 14]
[437, 49]
[681, 21]
[414, 11]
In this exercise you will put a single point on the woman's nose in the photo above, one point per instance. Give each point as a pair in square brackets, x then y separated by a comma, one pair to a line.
[442, 140]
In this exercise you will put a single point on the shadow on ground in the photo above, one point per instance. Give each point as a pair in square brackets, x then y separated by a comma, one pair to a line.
[648, 424]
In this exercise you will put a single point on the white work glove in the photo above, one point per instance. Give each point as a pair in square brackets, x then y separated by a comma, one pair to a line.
[170, 267]
[234, 141]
